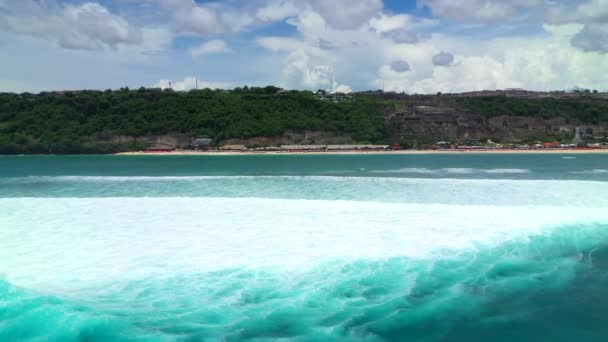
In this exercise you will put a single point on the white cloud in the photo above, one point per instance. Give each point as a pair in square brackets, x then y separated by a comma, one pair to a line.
[473, 73]
[189, 83]
[596, 10]
[478, 10]
[356, 42]
[277, 10]
[347, 14]
[443, 59]
[339, 14]
[384, 22]
[300, 71]
[208, 18]
[589, 11]
[404, 37]
[543, 62]
[211, 47]
[282, 44]
[400, 66]
[86, 26]
[593, 37]
[593, 14]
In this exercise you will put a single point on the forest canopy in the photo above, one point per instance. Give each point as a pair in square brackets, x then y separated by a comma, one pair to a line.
[74, 121]
[66, 122]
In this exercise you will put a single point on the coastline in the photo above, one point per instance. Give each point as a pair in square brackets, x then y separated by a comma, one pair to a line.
[398, 152]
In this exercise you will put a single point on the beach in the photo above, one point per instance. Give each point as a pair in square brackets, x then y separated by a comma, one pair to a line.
[392, 152]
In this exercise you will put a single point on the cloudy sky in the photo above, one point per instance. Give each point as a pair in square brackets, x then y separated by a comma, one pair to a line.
[416, 46]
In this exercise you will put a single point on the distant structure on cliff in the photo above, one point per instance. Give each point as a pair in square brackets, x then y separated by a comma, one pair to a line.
[577, 136]
[202, 143]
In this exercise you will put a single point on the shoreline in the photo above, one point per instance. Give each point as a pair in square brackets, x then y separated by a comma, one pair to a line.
[398, 152]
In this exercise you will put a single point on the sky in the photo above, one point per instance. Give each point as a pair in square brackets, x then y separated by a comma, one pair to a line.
[412, 46]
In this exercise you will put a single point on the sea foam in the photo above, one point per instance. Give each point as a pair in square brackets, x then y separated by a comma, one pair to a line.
[74, 242]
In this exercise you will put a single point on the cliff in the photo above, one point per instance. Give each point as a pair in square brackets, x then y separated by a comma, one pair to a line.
[112, 121]
[424, 119]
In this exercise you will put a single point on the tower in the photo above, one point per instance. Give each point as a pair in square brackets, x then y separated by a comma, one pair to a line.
[577, 136]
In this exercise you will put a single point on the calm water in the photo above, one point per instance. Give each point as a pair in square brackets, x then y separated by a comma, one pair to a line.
[308, 248]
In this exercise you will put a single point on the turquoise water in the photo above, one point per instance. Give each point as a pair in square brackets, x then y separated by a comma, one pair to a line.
[305, 248]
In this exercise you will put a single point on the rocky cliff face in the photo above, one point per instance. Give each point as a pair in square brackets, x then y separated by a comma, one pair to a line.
[292, 137]
[178, 140]
[416, 120]
[175, 140]
[421, 121]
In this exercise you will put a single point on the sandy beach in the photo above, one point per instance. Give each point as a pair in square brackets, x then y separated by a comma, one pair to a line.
[241, 153]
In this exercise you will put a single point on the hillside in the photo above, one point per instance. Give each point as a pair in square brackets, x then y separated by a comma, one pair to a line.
[122, 120]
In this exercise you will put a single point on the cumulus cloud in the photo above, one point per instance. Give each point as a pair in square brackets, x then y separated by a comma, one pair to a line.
[400, 66]
[474, 73]
[208, 18]
[542, 62]
[300, 71]
[282, 44]
[357, 42]
[211, 47]
[596, 10]
[213, 18]
[592, 15]
[326, 44]
[277, 10]
[347, 14]
[592, 38]
[339, 14]
[478, 10]
[443, 59]
[86, 26]
[404, 37]
[589, 11]
[189, 83]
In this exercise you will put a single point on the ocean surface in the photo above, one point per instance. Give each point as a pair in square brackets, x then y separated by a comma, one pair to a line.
[473, 247]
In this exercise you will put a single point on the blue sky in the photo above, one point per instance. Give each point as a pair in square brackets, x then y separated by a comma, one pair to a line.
[421, 46]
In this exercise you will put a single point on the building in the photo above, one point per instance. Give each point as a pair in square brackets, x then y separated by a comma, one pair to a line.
[159, 149]
[356, 147]
[202, 143]
[303, 147]
[577, 136]
[472, 142]
[233, 148]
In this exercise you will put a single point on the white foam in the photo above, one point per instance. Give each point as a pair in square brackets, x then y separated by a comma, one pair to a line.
[65, 243]
[120, 178]
[406, 170]
[591, 172]
[454, 171]
[458, 170]
[508, 171]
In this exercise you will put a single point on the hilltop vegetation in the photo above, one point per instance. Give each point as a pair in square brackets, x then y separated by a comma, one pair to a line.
[546, 108]
[67, 122]
[73, 122]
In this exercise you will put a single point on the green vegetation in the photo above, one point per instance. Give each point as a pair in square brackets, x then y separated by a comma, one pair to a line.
[87, 121]
[582, 110]
[72, 122]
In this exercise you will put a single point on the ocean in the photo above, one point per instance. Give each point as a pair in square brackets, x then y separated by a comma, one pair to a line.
[474, 247]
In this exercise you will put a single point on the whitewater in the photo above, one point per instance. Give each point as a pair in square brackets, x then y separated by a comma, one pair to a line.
[305, 248]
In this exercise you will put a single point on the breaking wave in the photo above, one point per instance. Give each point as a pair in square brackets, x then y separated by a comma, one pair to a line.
[194, 269]
[418, 254]
[454, 171]
[591, 172]
[583, 193]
